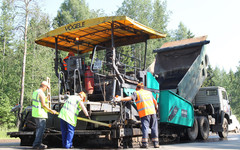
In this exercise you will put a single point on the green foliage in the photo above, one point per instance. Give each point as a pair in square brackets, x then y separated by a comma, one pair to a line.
[234, 79]
[150, 13]
[39, 64]
[9, 72]
[3, 132]
[209, 81]
[230, 81]
[73, 10]
[182, 33]
[6, 117]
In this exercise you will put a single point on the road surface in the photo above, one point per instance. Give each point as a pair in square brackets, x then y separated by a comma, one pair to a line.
[213, 143]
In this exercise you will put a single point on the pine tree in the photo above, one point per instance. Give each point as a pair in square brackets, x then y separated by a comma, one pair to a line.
[209, 81]
[73, 10]
[154, 15]
[6, 44]
[182, 32]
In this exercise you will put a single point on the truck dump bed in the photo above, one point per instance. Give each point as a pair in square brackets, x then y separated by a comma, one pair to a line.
[180, 66]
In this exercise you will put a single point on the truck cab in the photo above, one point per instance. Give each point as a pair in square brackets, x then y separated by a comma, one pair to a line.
[215, 95]
[215, 99]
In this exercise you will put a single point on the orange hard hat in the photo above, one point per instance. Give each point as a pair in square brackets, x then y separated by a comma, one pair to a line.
[71, 54]
[140, 86]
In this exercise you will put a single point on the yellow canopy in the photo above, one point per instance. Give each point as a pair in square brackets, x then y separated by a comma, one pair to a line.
[97, 31]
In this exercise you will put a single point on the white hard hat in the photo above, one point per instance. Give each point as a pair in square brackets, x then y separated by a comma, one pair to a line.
[45, 83]
[84, 96]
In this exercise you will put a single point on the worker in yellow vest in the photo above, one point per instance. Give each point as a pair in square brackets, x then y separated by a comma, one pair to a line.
[147, 107]
[68, 117]
[39, 112]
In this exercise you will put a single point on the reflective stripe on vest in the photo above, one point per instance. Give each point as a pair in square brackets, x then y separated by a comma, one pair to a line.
[70, 110]
[65, 63]
[37, 110]
[144, 103]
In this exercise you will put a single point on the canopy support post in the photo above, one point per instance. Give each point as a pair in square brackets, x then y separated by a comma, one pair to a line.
[145, 56]
[115, 69]
[56, 55]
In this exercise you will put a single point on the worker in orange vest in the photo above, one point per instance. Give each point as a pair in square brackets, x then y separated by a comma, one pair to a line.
[147, 107]
[66, 58]
[66, 74]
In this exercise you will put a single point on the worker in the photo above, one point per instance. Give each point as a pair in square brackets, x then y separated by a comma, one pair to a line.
[68, 117]
[147, 107]
[39, 112]
[65, 83]
[66, 58]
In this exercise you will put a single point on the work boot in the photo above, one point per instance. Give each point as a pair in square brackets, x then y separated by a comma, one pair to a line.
[42, 146]
[155, 144]
[144, 145]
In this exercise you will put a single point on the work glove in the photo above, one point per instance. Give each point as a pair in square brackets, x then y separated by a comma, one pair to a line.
[117, 99]
[54, 112]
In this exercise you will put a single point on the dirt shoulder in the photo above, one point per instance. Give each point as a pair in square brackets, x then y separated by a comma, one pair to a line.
[13, 140]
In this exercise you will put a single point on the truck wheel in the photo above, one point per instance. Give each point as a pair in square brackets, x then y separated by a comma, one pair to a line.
[192, 132]
[203, 126]
[224, 133]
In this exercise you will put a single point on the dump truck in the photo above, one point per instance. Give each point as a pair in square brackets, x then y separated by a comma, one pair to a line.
[101, 69]
[180, 68]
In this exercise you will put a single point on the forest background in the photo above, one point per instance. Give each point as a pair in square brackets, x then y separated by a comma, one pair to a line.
[22, 21]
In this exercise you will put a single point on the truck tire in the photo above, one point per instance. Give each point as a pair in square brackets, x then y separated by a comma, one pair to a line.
[192, 132]
[224, 133]
[203, 126]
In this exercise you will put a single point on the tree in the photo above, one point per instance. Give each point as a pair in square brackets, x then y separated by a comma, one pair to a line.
[73, 10]
[150, 14]
[39, 62]
[209, 81]
[135, 9]
[6, 25]
[6, 42]
[235, 95]
[24, 4]
[160, 19]
[230, 81]
[139, 10]
[182, 32]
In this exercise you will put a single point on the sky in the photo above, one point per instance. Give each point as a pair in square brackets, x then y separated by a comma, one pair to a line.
[218, 19]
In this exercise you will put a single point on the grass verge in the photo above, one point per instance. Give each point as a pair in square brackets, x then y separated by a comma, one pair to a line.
[3, 132]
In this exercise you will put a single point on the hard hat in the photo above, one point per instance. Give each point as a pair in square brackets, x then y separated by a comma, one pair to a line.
[45, 83]
[140, 86]
[83, 95]
[71, 54]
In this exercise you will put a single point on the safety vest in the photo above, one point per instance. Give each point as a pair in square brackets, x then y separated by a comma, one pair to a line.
[144, 103]
[65, 63]
[70, 110]
[37, 110]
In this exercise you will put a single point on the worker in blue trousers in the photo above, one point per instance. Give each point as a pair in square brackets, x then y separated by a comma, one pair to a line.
[68, 115]
[147, 107]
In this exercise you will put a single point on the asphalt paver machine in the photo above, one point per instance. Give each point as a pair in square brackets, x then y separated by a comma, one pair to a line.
[102, 70]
